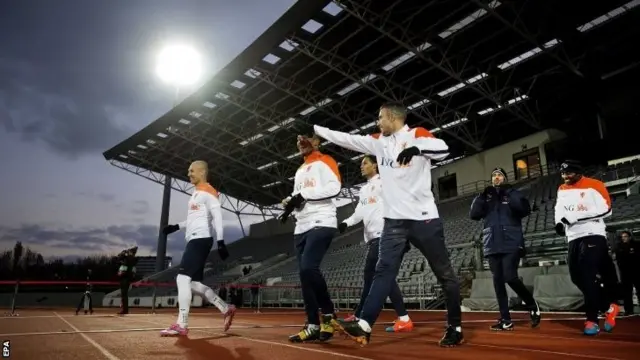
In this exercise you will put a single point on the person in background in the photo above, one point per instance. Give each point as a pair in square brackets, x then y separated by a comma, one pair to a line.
[126, 272]
[502, 208]
[86, 297]
[628, 259]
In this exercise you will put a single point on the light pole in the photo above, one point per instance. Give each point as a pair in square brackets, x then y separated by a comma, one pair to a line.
[178, 65]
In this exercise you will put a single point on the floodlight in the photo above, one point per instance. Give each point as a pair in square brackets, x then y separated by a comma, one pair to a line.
[179, 65]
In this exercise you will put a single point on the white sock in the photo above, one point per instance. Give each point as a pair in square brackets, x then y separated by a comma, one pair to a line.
[404, 318]
[364, 325]
[184, 299]
[206, 292]
[313, 327]
[459, 328]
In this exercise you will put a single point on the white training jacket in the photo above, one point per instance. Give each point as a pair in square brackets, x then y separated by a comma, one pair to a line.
[585, 204]
[318, 181]
[369, 209]
[407, 189]
[204, 215]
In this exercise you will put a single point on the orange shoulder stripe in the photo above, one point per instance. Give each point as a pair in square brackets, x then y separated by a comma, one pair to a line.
[590, 183]
[332, 164]
[208, 189]
[600, 187]
[420, 132]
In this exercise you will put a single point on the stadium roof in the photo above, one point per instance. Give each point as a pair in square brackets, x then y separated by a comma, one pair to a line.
[477, 73]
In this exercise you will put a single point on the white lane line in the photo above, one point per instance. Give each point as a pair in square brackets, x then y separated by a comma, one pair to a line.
[98, 347]
[267, 342]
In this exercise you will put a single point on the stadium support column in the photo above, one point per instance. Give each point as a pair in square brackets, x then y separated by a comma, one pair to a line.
[161, 254]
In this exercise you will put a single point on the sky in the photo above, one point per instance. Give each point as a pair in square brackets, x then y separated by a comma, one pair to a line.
[76, 78]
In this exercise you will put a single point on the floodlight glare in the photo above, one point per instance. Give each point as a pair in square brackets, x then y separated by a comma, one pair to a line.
[179, 65]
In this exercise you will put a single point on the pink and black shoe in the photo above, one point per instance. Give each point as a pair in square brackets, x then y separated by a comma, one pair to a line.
[228, 317]
[174, 330]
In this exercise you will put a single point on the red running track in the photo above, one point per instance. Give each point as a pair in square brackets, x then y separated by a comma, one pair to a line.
[49, 334]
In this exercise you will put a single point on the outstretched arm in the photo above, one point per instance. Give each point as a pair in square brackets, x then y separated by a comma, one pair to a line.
[360, 143]
[429, 145]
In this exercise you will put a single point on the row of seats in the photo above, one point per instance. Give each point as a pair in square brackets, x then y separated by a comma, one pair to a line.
[551, 287]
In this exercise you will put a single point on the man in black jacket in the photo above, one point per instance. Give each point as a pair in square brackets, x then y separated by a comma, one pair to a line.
[126, 273]
[628, 258]
[85, 300]
[502, 209]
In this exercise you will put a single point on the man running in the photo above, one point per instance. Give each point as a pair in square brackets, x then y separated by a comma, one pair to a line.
[582, 205]
[316, 183]
[203, 216]
[369, 212]
[404, 158]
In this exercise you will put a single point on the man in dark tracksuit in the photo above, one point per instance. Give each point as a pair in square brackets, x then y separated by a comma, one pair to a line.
[502, 208]
[126, 272]
[628, 258]
[86, 296]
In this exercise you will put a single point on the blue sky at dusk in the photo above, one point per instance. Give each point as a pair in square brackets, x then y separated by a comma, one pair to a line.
[76, 78]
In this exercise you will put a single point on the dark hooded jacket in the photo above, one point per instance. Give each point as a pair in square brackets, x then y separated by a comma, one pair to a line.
[501, 210]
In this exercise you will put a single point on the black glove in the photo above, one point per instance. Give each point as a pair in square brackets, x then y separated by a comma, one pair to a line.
[407, 154]
[222, 250]
[522, 251]
[295, 202]
[284, 216]
[342, 227]
[170, 229]
[489, 190]
[560, 229]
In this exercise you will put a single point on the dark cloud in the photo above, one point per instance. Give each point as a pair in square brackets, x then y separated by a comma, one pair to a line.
[100, 240]
[71, 121]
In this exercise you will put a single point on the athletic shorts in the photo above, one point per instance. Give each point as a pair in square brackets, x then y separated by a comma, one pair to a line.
[194, 258]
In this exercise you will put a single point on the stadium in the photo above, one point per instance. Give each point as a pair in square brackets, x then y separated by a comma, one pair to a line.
[521, 85]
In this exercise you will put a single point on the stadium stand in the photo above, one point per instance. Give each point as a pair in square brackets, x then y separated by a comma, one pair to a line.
[514, 98]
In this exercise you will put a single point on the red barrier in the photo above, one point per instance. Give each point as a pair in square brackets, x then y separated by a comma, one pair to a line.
[347, 294]
[149, 283]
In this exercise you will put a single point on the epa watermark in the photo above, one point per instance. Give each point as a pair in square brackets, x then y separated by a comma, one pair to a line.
[6, 349]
